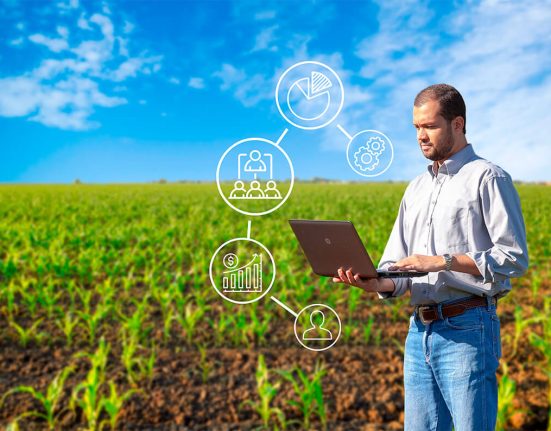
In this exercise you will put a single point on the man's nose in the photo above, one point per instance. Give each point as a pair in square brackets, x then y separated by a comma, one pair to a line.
[422, 135]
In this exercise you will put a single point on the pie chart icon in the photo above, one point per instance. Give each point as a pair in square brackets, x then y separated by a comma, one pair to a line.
[309, 98]
[309, 95]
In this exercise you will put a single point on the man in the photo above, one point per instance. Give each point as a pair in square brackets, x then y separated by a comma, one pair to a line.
[461, 221]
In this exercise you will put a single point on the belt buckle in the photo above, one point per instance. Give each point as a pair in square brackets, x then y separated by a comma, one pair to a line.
[420, 309]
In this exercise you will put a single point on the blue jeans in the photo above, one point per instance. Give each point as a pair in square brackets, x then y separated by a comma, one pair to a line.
[450, 372]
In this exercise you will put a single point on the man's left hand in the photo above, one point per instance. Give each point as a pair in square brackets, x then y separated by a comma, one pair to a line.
[419, 262]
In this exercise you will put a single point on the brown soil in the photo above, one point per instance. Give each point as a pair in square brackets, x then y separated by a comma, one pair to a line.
[362, 388]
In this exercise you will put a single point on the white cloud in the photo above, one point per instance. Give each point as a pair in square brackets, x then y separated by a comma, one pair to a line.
[249, 90]
[174, 80]
[16, 42]
[67, 6]
[265, 40]
[64, 92]
[197, 83]
[142, 102]
[55, 45]
[265, 15]
[133, 66]
[128, 27]
[83, 22]
[497, 64]
[18, 96]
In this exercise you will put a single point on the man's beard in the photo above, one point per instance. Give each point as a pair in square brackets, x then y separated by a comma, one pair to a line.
[443, 152]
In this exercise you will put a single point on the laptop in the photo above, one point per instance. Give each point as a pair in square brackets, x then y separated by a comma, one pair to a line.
[329, 245]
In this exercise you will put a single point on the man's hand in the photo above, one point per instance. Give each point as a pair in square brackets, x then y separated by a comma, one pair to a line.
[419, 262]
[367, 284]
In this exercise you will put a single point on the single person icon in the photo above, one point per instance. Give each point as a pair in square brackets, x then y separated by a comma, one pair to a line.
[238, 191]
[255, 164]
[317, 332]
[272, 191]
[255, 191]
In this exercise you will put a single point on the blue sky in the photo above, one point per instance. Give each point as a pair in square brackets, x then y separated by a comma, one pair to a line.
[137, 91]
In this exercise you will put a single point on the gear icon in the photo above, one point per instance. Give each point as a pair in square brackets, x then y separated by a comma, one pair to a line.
[365, 160]
[376, 146]
[367, 157]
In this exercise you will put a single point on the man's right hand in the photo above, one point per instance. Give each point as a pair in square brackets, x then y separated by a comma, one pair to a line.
[367, 284]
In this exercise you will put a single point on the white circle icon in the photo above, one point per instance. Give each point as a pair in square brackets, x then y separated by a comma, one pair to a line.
[255, 176]
[317, 327]
[242, 270]
[309, 95]
[369, 153]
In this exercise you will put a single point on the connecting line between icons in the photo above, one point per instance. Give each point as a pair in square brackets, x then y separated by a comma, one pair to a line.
[278, 302]
[249, 229]
[281, 137]
[345, 133]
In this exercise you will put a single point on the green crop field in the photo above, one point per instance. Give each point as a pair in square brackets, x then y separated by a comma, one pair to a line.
[108, 319]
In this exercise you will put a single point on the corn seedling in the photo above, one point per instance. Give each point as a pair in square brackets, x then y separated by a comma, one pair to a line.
[521, 323]
[260, 327]
[204, 363]
[368, 329]
[112, 404]
[505, 395]
[87, 393]
[266, 392]
[220, 326]
[137, 367]
[48, 298]
[543, 344]
[135, 324]
[347, 331]
[48, 400]
[30, 300]
[92, 321]
[353, 301]
[10, 299]
[309, 391]
[28, 334]
[67, 325]
[189, 320]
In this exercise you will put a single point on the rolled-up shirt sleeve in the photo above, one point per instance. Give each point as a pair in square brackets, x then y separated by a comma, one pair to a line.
[508, 257]
[396, 249]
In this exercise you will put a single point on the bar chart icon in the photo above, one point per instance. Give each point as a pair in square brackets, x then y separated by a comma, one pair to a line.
[245, 279]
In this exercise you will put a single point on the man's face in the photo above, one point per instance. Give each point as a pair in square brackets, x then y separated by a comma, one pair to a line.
[434, 132]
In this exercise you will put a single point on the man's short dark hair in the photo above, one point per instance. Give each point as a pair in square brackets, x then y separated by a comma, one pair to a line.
[451, 102]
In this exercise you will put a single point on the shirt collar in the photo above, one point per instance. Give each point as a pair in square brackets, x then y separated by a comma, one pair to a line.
[452, 165]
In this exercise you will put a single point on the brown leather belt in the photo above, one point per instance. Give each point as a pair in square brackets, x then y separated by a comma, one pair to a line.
[429, 313]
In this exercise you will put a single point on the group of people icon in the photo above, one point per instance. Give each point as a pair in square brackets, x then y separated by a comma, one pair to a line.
[254, 191]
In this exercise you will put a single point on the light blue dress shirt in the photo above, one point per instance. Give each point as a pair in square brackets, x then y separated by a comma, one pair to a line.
[469, 207]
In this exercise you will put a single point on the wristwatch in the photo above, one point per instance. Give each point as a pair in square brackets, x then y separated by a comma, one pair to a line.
[448, 260]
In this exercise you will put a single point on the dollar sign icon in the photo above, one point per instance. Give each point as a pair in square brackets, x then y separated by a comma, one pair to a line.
[230, 260]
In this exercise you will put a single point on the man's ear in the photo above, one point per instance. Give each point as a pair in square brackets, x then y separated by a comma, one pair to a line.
[458, 124]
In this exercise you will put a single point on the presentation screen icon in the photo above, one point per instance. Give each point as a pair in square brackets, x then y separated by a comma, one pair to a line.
[309, 95]
[242, 270]
[255, 176]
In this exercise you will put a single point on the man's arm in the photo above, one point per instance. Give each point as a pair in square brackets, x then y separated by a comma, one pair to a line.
[379, 285]
[503, 220]
[419, 262]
